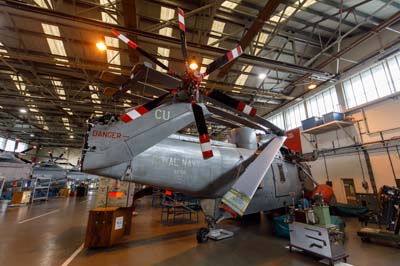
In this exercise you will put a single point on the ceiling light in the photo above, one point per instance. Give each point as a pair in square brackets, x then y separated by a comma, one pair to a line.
[262, 76]
[312, 86]
[71, 136]
[101, 46]
[193, 65]
[31, 135]
[23, 111]
[235, 91]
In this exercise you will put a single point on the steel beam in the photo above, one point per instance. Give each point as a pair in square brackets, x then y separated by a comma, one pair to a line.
[263, 16]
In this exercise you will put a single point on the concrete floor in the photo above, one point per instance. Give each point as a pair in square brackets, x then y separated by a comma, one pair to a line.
[52, 239]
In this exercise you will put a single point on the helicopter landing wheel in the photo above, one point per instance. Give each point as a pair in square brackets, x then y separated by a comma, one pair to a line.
[202, 235]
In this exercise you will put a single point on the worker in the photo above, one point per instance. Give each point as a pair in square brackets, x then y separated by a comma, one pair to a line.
[326, 192]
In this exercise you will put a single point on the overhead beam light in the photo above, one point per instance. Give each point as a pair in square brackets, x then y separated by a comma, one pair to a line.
[101, 46]
[312, 86]
[23, 111]
[262, 76]
[193, 65]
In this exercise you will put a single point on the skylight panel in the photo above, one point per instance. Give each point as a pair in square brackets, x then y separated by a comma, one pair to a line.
[218, 27]
[289, 11]
[44, 3]
[205, 62]
[3, 51]
[113, 57]
[165, 14]
[19, 83]
[42, 122]
[66, 123]
[241, 80]
[127, 103]
[260, 41]
[68, 110]
[56, 46]
[229, 4]
[51, 30]
[164, 52]
[109, 17]
[59, 89]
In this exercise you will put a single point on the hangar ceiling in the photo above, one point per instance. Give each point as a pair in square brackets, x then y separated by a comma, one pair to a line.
[50, 68]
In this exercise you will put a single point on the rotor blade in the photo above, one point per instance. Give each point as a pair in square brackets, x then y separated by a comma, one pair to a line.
[234, 117]
[140, 50]
[141, 110]
[22, 159]
[182, 29]
[203, 133]
[231, 102]
[28, 149]
[223, 60]
[59, 157]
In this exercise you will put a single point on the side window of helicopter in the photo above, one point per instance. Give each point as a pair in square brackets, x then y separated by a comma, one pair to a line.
[282, 177]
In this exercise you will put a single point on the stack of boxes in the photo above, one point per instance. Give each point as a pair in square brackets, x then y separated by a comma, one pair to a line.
[317, 121]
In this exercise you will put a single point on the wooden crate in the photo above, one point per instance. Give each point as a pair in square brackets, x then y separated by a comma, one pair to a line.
[106, 185]
[64, 192]
[106, 226]
[21, 197]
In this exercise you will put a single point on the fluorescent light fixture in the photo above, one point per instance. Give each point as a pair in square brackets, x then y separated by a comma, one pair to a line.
[23, 111]
[262, 76]
[235, 91]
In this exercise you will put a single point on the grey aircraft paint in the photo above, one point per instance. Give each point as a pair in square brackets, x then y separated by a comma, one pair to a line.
[145, 151]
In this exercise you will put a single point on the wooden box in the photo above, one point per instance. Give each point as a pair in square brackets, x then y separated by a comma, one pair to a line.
[64, 192]
[21, 197]
[106, 226]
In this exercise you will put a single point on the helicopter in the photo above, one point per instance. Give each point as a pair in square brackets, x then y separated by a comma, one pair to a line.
[250, 174]
[13, 167]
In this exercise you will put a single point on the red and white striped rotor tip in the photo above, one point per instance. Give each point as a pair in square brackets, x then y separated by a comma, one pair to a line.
[234, 53]
[205, 146]
[124, 38]
[247, 109]
[181, 19]
[133, 114]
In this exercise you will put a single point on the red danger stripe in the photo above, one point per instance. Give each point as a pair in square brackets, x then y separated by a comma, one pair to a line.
[204, 138]
[181, 19]
[124, 38]
[205, 146]
[234, 53]
[207, 154]
[247, 109]
[126, 118]
[133, 114]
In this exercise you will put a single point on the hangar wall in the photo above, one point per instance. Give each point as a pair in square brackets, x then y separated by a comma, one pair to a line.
[374, 125]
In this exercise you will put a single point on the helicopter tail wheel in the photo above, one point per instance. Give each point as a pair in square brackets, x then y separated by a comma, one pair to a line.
[202, 235]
